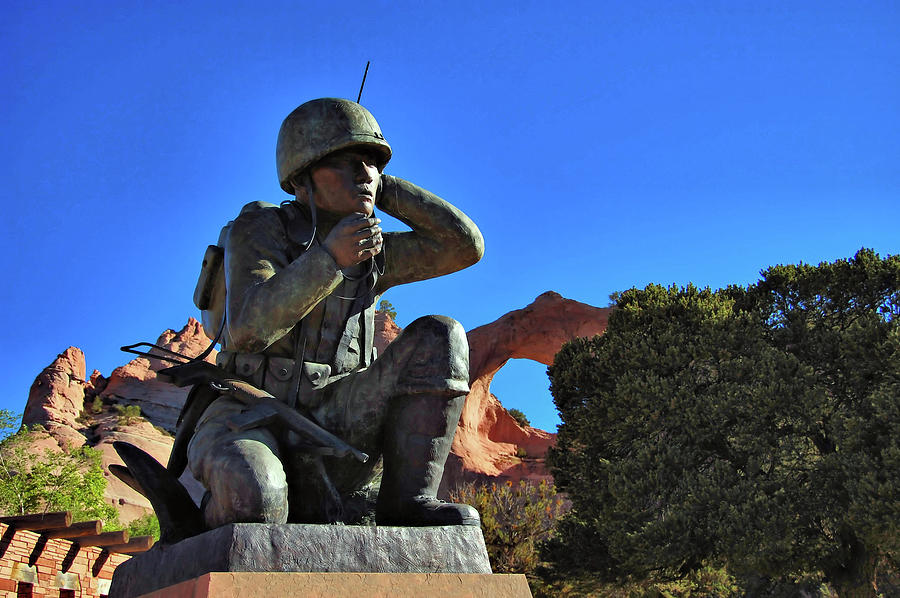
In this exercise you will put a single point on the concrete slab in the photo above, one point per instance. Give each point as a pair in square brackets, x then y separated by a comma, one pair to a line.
[258, 547]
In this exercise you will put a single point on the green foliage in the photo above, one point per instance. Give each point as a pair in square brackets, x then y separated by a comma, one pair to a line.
[96, 405]
[385, 306]
[34, 481]
[520, 417]
[147, 525]
[9, 422]
[521, 452]
[705, 583]
[757, 428]
[515, 519]
[128, 414]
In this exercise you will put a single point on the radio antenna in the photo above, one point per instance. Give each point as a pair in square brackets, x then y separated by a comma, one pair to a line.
[363, 82]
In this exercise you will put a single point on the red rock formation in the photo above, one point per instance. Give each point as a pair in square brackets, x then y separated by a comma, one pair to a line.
[136, 381]
[488, 437]
[385, 331]
[56, 397]
[97, 383]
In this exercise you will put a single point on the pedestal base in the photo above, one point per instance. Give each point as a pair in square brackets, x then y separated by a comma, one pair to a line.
[343, 585]
[265, 548]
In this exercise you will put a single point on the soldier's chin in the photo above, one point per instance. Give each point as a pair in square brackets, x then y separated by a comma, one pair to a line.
[366, 205]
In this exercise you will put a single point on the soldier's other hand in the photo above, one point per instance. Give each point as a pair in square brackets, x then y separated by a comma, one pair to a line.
[354, 239]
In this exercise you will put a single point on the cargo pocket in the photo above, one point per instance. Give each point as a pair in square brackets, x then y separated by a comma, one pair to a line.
[279, 373]
[248, 366]
[225, 360]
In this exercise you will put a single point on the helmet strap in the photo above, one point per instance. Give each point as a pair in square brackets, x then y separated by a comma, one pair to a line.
[307, 186]
[310, 199]
[307, 182]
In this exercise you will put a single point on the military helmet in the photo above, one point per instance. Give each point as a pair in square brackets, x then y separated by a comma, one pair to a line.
[320, 127]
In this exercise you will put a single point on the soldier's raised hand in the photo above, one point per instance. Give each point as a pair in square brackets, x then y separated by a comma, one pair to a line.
[354, 239]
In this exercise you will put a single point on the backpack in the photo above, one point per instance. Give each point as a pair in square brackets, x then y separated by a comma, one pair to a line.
[209, 294]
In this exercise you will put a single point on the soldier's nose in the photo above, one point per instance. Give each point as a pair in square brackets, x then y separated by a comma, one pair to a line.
[363, 173]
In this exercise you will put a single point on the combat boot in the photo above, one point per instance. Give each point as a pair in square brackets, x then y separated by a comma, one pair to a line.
[417, 441]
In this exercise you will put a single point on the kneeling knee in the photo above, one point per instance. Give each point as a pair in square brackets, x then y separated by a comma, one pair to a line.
[247, 488]
[440, 332]
[438, 357]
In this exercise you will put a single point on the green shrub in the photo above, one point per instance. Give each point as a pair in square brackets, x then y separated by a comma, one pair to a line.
[386, 307]
[519, 417]
[97, 405]
[128, 414]
[148, 525]
[515, 519]
[707, 582]
[40, 481]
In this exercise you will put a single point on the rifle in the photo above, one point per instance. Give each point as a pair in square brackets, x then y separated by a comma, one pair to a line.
[265, 408]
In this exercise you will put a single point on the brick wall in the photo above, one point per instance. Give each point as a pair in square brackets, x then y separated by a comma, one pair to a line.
[31, 565]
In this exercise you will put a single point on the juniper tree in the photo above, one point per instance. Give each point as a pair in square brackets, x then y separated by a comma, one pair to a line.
[757, 428]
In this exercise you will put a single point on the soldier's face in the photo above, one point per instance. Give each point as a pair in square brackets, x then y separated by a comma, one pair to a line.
[346, 182]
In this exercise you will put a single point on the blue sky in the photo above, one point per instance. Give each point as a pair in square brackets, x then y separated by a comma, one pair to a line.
[598, 146]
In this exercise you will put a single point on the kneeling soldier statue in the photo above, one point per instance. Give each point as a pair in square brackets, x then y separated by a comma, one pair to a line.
[291, 423]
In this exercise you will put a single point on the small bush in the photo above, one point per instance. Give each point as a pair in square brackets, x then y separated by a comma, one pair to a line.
[148, 525]
[519, 417]
[97, 405]
[128, 414]
[521, 453]
[514, 520]
[387, 308]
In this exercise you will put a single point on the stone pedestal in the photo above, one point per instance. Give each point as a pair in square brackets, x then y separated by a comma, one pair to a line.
[300, 548]
[347, 585]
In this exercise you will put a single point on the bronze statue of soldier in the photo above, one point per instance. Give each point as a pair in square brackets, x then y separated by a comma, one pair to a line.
[296, 314]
